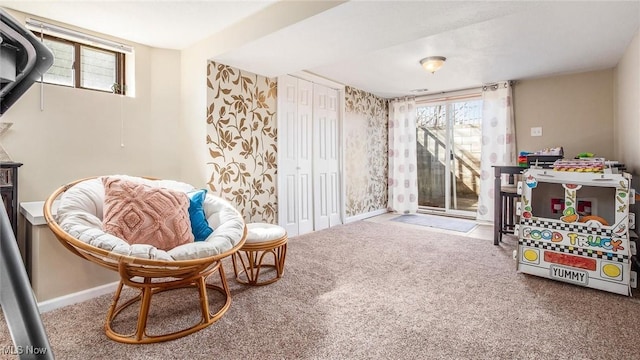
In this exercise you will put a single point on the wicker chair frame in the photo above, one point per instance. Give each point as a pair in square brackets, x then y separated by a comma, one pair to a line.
[252, 258]
[149, 277]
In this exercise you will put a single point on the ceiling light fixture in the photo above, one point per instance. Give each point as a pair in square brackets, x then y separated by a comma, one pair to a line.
[432, 63]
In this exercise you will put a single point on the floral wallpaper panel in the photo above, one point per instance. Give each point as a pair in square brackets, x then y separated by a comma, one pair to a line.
[366, 148]
[242, 140]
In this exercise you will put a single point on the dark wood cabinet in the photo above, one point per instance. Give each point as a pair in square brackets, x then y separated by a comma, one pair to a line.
[9, 191]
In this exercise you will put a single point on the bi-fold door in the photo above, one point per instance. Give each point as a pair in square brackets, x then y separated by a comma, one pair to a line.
[308, 156]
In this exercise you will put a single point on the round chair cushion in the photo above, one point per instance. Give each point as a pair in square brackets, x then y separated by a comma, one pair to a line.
[262, 232]
[80, 214]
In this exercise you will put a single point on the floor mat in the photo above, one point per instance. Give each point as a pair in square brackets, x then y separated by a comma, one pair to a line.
[440, 222]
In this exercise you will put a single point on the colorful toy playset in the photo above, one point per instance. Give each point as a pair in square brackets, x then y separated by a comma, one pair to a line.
[565, 244]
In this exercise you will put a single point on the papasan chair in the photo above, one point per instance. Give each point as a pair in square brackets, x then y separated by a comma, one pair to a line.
[158, 235]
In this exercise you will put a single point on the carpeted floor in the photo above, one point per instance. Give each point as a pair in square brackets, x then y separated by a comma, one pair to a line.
[370, 290]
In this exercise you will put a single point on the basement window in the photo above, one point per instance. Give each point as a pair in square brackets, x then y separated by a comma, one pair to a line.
[84, 66]
[83, 61]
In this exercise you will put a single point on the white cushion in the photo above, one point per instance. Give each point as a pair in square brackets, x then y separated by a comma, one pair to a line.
[81, 210]
[262, 232]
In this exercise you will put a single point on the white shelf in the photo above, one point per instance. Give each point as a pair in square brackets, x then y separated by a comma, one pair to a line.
[34, 211]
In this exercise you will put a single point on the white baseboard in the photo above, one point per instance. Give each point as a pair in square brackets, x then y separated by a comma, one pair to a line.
[77, 297]
[365, 215]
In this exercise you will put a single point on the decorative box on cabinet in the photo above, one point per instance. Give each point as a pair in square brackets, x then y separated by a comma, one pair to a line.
[9, 191]
[574, 227]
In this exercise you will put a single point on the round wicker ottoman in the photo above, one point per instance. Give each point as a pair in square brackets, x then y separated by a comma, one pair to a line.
[265, 247]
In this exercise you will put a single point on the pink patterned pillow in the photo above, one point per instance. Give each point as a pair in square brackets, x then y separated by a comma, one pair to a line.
[140, 214]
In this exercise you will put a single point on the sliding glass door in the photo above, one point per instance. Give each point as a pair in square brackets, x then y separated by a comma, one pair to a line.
[449, 141]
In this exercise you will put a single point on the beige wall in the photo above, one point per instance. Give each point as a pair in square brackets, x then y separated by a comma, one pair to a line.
[627, 109]
[162, 123]
[575, 111]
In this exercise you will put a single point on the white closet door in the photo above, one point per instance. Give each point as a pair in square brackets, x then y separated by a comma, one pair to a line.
[321, 144]
[332, 163]
[305, 156]
[288, 154]
[309, 191]
[326, 164]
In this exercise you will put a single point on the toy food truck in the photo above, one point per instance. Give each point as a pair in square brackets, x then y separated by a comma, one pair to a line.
[574, 227]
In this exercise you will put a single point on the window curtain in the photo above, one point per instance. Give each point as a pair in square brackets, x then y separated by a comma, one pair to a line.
[403, 175]
[498, 142]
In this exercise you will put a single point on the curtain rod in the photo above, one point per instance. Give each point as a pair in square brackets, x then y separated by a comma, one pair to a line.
[453, 91]
[70, 34]
[450, 94]
[495, 86]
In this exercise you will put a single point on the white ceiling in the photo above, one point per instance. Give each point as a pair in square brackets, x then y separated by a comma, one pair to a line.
[173, 24]
[376, 45]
